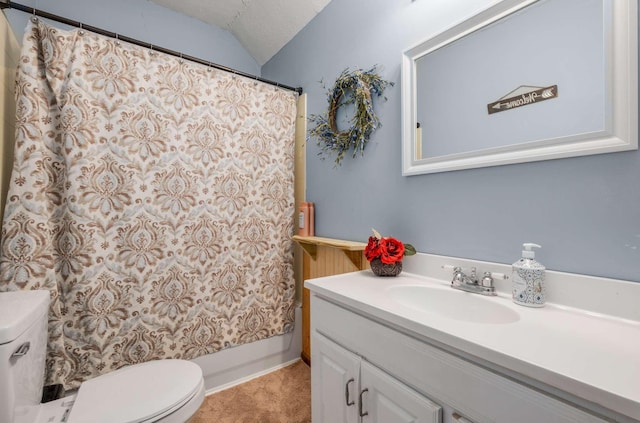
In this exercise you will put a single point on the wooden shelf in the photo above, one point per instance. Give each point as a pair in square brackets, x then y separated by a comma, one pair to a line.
[325, 257]
[310, 245]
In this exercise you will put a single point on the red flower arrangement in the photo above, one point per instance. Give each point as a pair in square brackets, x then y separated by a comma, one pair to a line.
[388, 250]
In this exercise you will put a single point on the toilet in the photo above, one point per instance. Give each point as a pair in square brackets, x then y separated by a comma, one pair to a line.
[163, 391]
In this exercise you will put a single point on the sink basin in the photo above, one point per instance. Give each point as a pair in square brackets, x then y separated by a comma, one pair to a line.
[453, 304]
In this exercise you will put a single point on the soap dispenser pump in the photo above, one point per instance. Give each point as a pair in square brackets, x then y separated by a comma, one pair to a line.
[528, 279]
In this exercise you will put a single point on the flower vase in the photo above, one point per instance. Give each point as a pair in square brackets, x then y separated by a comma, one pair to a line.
[382, 269]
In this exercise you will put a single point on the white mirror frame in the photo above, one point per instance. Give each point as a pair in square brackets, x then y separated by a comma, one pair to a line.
[622, 84]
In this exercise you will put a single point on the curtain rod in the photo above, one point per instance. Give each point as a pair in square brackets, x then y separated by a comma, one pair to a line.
[6, 4]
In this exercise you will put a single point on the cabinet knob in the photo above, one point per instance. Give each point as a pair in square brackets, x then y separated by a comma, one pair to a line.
[360, 403]
[346, 393]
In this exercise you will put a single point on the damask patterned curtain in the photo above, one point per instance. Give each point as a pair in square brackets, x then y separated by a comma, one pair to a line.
[152, 197]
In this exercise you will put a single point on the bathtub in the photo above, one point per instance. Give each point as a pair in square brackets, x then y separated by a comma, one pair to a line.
[235, 365]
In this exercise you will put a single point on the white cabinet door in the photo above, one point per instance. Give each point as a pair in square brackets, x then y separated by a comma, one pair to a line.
[335, 376]
[386, 400]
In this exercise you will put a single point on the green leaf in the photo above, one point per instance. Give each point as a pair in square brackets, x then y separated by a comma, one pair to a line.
[409, 250]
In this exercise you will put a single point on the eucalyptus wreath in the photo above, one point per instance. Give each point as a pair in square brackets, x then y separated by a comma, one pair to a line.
[355, 87]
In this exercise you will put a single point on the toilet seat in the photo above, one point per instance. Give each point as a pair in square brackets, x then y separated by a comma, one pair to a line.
[141, 393]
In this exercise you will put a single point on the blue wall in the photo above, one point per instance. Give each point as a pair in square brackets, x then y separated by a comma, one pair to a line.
[584, 211]
[148, 22]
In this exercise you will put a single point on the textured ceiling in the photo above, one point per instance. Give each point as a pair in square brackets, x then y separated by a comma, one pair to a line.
[263, 27]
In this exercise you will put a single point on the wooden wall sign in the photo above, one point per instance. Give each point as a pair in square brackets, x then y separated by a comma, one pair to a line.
[523, 96]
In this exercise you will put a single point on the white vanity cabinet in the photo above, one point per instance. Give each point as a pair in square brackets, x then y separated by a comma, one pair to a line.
[335, 375]
[397, 377]
[347, 389]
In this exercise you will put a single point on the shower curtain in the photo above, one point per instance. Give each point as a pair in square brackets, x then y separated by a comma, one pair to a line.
[153, 197]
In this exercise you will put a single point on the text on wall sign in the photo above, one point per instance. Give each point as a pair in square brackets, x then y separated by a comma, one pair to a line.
[530, 95]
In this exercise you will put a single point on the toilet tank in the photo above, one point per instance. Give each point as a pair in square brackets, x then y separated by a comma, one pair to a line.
[23, 345]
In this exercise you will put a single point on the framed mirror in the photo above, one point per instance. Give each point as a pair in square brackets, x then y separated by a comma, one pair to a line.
[524, 80]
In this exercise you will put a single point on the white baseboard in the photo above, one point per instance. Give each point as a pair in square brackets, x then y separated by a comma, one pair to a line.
[231, 366]
[250, 377]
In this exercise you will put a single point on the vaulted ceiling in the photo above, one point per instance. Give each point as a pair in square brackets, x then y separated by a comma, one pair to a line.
[263, 27]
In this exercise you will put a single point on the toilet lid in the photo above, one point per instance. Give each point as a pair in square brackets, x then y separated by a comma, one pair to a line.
[136, 393]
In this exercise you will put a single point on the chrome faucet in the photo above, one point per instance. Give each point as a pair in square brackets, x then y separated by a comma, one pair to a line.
[459, 278]
[470, 283]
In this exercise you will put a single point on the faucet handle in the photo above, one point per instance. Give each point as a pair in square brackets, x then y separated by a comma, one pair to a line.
[456, 269]
[496, 275]
[458, 276]
[489, 277]
[487, 280]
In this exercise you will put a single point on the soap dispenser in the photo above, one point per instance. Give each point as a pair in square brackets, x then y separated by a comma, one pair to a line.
[528, 279]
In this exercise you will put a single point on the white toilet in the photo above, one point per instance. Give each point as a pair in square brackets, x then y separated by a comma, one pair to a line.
[163, 391]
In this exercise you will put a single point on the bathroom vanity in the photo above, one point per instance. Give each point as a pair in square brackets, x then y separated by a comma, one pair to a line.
[411, 349]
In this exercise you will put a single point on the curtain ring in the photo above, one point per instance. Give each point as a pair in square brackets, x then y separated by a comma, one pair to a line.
[209, 68]
[181, 61]
[81, 32]
[117, 40]
[151, 52]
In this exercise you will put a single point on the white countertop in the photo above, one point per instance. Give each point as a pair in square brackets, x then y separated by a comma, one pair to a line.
[589, 355]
